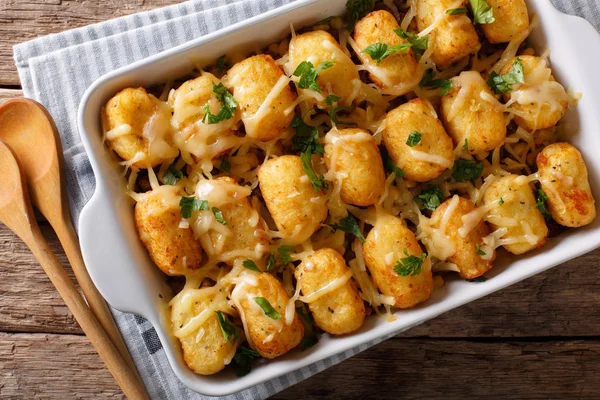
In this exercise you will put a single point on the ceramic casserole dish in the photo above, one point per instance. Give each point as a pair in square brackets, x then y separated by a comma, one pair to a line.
[125, 275]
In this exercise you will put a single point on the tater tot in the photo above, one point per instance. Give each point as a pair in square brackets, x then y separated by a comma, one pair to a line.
[472, 115]
[564, 179]
[341, 79]
[340, 310]
[205, 350]
[270, 337]
[432, 155]
[512, 207]
[295, 206]
[398, 71]
[199, 138]
[384, 247]
[264, 96]
[137, 127]
[245, 228]
[511, 21]
[354, 155]
[173, 249]
[466, 257]
[540, 102]
[453, 38]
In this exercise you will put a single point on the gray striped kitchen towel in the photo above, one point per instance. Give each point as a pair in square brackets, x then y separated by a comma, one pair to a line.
[57, 69]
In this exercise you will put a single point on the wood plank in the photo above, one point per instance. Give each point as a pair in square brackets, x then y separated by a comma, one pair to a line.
[454, 369]
[564, 301]
[22, 20]
[53, 367]
[7, 94]
[398, 368]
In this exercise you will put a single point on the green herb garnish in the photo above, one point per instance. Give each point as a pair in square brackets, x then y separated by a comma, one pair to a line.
[428, 82]
[430, 198]
[230, 331]
[466, 145]
[418, 43]
[218, 215]
[466, 170]
[318, 182]
[187, 205]
[479, 251]
[267, 308]
[389, 165]
[228, 105]
[172, 175]
[349, 225]
[414, 139]
[308, 74]
[284, 254]
[356, 9]
[482, 12]
[540, 204]
[456, 11]
[478, 279]
[251, 265]
[271, 263]
[225, 165]
[241, 361]
[381, 51]
[309, 340]
[409, 265]
[504, 83]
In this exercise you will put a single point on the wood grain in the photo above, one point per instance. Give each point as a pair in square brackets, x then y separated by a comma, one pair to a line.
[44, 366]
[22, 20]
[7, 94]
[459, 369]
[398, 368]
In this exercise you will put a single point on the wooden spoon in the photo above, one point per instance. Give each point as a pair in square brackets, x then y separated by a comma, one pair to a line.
[29, 130]
[17, 214]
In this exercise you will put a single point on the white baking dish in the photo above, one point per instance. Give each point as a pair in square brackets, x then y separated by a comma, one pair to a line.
[126, 277]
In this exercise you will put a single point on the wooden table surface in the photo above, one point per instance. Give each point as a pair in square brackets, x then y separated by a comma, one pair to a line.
[538, 339]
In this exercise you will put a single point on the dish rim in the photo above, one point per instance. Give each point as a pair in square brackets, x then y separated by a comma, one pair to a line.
[207, 386]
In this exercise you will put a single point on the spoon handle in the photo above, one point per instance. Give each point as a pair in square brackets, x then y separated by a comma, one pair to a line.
[124, 376]
[68, 239]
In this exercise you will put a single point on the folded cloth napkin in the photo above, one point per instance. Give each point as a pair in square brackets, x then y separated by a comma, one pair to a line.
[57, 69]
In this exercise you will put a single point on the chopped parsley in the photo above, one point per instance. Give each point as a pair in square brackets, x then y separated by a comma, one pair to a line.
[251, 265]
[218, 215]
[172, 175]
[187, 205]
[466, 170]
[330, 99]
[241, 361]
[284, 254]
[540, 204]
[356, 9]
[430, 198]
[381, 51]
[466, 145]
[456, 11]
[479, 251]
[267, 308]
[414, 139]
[409, 265]
[228, 105]
[271, 263]
[349, 225]
[482, 12]
[504, 83]
[309, 340]
[225, 165]
[478, 279]
[318, 182]
[428, 82]
[222, 64]
[418, 43]
[500, 201]
[389, 165]
[230, 331]
[306, 137]
[308, 74]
